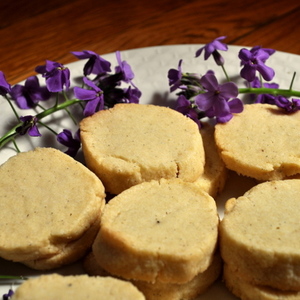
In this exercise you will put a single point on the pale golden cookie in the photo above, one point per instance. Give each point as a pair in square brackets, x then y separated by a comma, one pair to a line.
[261, 142]
[259, 235]
[133, 143]
[246, 291]
[158, 231]
[215, 173]
[54, 286]
[49, 202]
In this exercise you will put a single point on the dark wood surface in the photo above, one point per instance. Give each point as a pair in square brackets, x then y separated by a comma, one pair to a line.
[32, 31]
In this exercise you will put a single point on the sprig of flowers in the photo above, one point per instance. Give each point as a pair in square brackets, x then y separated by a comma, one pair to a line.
[203, 96]
[100, 89]
[199, 96]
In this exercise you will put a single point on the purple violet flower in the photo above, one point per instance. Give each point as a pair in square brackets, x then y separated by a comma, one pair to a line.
[131, 95]
[268, 50]
[119, 95]
[215, 102]
[29, 126]
[4, 85]
[73, 143]
[57, 76]
[254, 60]
[289, 105]
[94, 97]
[28, 95]
[212, 49]
[124, 69]
[95, 64]
[184, 106]
[175, 77]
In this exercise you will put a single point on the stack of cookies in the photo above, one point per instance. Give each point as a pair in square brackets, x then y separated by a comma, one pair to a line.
[162, 236]
[260, 242]
[259, 234]
[160, 231]
[50, 209]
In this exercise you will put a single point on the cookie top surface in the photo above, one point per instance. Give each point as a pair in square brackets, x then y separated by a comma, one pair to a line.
[54, 286]
[261, 142]
[47, 200]
[165, 226]
[161, 207]
[146, 141]
[266, 217]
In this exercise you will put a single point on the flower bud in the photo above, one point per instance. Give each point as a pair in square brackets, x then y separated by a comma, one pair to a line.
[218, 58]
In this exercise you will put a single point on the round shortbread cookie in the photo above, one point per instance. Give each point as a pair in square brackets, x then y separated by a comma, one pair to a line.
[48, 203]
[54, 286]
[133, 143]
[166, 291]
[259, 234]
[215, 172]
[158, 231]
[261, 142]
[246, 291]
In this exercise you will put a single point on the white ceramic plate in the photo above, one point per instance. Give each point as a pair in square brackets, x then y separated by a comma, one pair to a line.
[150, 66]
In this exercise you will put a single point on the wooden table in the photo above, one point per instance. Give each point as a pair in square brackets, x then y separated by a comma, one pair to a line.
[32, 31]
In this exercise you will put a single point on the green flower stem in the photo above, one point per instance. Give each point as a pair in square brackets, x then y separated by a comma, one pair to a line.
[71, 116]
[46, 126]
[225, 73]
[66, 109]
[56, 99]
[9, 136]
[12, 133]
[275, 92]
[56, 108]
[292, 81]
[12, 277]
[16, 146]
[12, 107]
